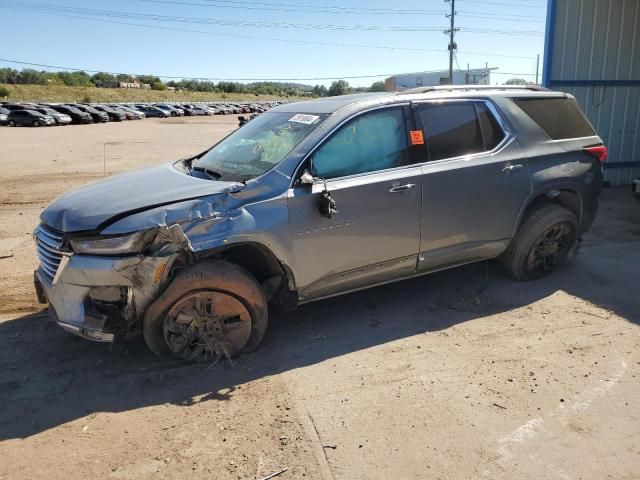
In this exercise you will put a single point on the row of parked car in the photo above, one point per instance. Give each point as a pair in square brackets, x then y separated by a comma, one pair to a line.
[48, 114]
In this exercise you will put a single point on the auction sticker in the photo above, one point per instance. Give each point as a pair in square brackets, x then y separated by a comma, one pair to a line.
[302, 118]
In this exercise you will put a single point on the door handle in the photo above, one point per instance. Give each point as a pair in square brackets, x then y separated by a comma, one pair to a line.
[512, 168]
[402, 188]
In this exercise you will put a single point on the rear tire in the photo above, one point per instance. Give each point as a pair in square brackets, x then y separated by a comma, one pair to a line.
[36, 123]
[212, 310]
[12, 123]
[545, 238]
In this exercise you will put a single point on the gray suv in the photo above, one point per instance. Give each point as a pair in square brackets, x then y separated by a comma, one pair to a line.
[316, 199]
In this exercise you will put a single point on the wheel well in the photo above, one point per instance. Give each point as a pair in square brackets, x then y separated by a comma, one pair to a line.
[568, 199]
[260, 262]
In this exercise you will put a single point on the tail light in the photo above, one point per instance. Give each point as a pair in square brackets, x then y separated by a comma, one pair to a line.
[598, 151]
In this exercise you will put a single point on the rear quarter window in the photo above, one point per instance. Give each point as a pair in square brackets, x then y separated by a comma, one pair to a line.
[560, 118]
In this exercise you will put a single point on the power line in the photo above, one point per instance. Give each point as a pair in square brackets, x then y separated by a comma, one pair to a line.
[299, 41]
[48, 8]
[330, 7]
[282, 7]
[76, 69]
[54, 9]
[342, 8]
[87, 70]
[460, 12]
[287, 7]
[489, 16]
[505, 4]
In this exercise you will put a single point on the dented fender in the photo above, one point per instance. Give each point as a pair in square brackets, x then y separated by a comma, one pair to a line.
[215, 222]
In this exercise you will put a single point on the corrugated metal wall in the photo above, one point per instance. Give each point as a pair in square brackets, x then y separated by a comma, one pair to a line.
[593, 52]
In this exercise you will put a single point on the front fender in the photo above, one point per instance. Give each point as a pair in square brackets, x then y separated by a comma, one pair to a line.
[264, 223]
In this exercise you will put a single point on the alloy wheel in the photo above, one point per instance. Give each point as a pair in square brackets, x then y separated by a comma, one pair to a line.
[551, 248]
[207, 325]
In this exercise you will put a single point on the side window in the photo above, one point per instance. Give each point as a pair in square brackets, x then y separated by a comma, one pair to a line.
[452, 129]
[370, 142]
[560, 118]
[491, 131]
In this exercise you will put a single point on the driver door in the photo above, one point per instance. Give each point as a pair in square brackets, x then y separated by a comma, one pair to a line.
[375, 235]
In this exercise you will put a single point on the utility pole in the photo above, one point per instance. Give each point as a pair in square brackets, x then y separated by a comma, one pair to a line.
[451, 31]
[537, 68]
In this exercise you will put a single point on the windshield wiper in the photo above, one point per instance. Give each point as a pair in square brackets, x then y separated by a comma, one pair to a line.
[212, 173]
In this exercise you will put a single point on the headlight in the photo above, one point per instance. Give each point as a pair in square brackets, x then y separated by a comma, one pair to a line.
[120, 245]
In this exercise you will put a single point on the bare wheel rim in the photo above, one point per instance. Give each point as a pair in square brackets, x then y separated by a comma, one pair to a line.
[551, 248]
[207, 325]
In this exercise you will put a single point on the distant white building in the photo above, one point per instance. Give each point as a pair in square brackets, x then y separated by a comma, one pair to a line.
[128, 85]
[404, 81]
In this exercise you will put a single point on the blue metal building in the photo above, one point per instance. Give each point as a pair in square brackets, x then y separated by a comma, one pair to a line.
[592, 50]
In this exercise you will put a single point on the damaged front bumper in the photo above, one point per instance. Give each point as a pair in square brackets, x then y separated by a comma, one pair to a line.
[102, 298]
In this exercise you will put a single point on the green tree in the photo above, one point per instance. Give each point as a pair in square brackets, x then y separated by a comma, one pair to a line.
[339, 87]
[29, 76]
[9, 75]
[125, 77]
[377, 87]
[158, 86]
[231, 87]
[102, 79]
[319, 91]
[75, 79]
[149, 79]
[4, 92]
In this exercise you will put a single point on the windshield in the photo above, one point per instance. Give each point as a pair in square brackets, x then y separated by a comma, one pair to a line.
[258, 146]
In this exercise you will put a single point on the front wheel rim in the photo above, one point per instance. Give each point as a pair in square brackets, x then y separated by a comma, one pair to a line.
[551, 248]
[207, 325]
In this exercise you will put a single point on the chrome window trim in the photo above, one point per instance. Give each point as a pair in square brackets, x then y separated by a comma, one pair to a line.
[339, 125]
[506, 140]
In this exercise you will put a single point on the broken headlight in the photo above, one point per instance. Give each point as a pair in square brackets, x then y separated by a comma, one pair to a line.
[119, 245]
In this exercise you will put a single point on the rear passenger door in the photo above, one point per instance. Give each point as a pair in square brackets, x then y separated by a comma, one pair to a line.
[475, 181]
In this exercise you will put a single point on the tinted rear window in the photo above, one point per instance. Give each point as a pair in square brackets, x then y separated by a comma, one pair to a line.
[560, 118]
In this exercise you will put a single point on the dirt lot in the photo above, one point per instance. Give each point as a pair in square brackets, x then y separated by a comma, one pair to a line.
[463, 374]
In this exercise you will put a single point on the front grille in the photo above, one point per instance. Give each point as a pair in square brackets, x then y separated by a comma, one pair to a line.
[51, 249]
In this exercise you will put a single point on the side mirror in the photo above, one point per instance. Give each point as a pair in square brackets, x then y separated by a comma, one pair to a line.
[306, 178]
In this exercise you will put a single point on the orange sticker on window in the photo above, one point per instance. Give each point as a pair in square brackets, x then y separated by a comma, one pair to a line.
[416, 137]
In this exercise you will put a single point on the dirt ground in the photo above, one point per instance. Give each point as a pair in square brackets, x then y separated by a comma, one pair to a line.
[463, 374]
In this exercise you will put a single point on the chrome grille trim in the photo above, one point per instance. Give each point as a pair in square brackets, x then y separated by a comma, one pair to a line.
[50, 248]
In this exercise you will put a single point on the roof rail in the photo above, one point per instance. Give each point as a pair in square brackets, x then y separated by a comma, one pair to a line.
[467, 88]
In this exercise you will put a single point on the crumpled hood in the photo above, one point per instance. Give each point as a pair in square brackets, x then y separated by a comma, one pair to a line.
[90, 206]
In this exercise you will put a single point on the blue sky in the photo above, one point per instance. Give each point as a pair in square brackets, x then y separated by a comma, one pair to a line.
[324, 47]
